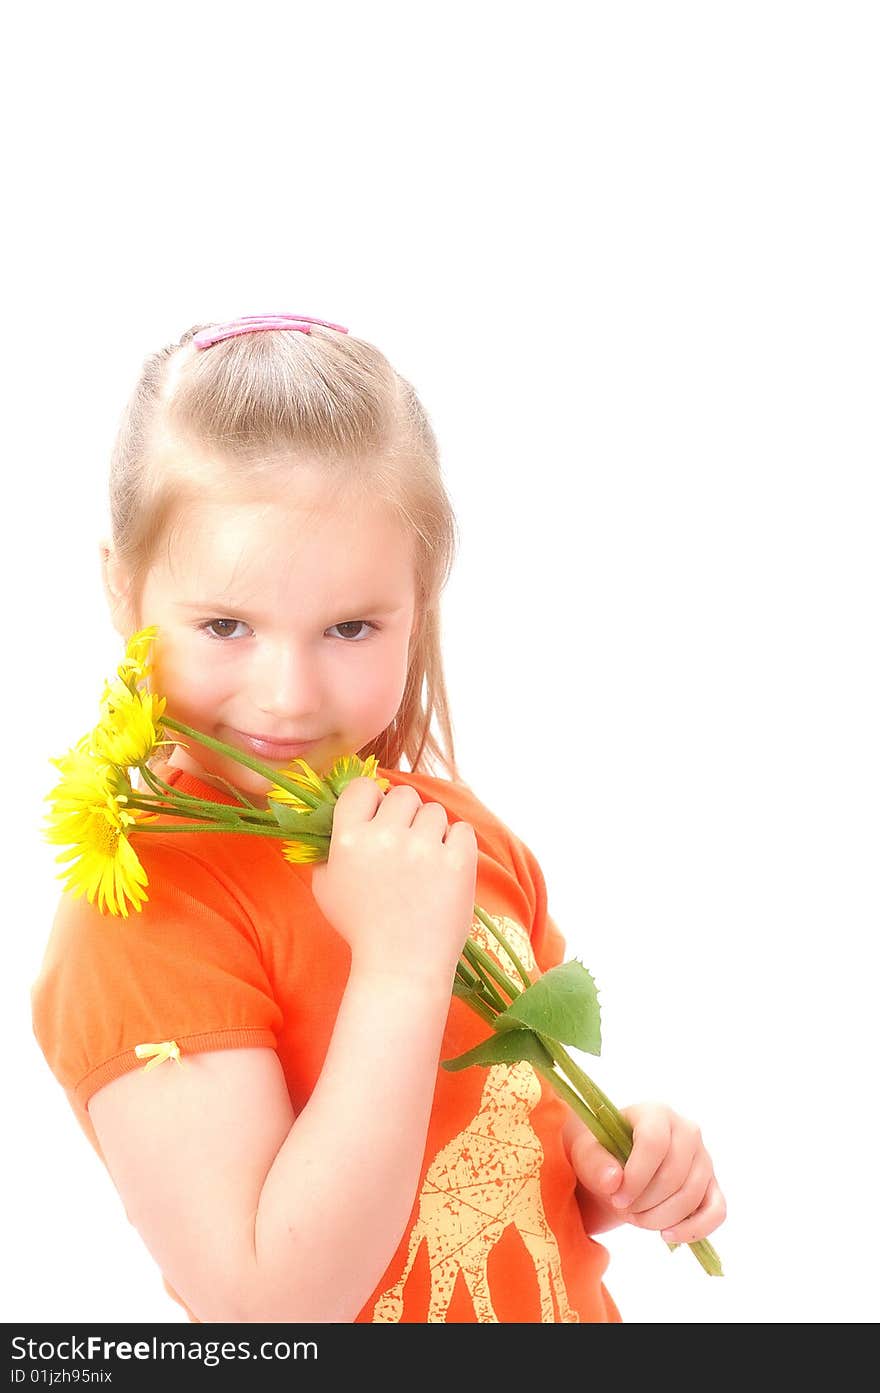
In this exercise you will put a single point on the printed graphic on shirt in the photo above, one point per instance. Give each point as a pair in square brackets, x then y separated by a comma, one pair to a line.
[484, 1181]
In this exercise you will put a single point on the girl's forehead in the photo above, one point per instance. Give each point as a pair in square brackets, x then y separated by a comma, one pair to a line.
[233, 534]
[242, 496]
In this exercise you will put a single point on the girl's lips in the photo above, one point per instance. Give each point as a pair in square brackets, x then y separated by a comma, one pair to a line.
[271, 749]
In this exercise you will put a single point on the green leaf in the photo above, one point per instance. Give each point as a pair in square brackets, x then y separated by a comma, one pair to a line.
[506, 1048]
[562, 1005]
[293, 820]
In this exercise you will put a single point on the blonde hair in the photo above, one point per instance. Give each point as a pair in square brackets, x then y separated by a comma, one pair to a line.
[256, 398]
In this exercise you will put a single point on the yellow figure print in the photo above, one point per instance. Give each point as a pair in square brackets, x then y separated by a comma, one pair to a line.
[482, 1182]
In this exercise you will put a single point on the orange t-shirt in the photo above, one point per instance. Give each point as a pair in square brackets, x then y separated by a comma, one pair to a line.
[231, 950]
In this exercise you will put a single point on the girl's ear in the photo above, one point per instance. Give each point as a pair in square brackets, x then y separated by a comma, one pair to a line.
[116, 584]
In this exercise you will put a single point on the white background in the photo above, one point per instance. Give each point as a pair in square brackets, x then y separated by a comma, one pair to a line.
[628, 256]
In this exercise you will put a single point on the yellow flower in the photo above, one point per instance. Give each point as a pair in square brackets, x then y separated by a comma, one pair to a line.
[85, 780]
[88, 816]
[346, 768]
[301, 853]
[104, 865]
[134, 669]
[349, 767]
[318, 820]
[306, 778]
[129, 730]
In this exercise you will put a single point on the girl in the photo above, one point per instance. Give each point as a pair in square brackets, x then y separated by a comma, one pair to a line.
[278, 512]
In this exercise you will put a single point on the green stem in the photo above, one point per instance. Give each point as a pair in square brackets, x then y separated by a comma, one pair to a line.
[210, 812]
[478, 1005]
[490, 924]
[233, 819]
[587, 1100]
[577, 1104]
[158, 784]
[488, 987]
[601, 1106]
[318, 839]
[706, 1256]
[478, 957]
[237, 793]
[163, 789]
[306, 795]
[610, 1129]
[199, 827]
[464, 974]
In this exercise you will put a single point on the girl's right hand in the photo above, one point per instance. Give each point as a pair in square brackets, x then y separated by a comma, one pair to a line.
[399, 883]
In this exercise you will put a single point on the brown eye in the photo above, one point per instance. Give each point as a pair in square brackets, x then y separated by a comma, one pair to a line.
[221, 628]
[354, 624]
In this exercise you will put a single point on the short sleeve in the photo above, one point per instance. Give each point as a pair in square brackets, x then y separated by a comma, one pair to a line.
[186, 968]
[548, 944]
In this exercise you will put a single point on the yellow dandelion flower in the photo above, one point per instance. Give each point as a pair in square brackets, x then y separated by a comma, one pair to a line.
[301, 853]
[306, 777]
[104, 865]
[345, 768]
[295, 814]
[348, 767]
[89, 818]
[134, 668]
[129, 730]
[85, 781]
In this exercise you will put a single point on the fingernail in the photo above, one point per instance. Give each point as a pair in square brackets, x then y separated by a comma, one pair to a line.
[608, 1177]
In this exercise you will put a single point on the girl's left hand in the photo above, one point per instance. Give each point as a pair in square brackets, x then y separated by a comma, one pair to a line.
[668, 1182]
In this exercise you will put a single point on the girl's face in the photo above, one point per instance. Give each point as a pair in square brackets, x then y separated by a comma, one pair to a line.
[285, 620]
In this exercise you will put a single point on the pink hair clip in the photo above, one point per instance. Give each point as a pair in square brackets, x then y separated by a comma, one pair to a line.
[253, 323]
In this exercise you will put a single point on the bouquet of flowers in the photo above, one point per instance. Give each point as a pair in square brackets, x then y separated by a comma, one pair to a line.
[97, 810]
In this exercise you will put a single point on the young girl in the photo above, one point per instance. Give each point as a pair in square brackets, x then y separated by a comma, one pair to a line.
[278, 512]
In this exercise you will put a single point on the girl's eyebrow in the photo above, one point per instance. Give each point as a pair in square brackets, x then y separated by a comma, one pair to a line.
[224, 601]
[227, 605]
[211, 606]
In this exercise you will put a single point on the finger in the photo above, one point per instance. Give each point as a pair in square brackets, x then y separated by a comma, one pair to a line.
[431, 821]
[596, 1168]
[427, 831]
[400, 805]
[672, 1174]
[705, 1219]
[356, 803]
[677, 1205]
[461, 843]
[651, 1138]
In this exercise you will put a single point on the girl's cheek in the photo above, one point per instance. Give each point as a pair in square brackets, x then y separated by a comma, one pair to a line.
[384, 684]
[186, 680]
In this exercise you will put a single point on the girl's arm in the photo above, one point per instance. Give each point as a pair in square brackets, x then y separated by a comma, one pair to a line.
[337, 1199]
[253, 1215]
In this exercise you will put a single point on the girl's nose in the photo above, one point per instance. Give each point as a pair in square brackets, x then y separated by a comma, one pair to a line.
[287, 684]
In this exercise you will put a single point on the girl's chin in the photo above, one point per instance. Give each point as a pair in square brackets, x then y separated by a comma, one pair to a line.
[205, 763]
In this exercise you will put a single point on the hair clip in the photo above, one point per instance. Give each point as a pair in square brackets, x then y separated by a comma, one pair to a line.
[253, 323]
